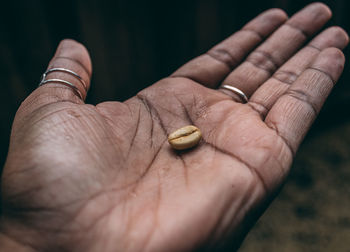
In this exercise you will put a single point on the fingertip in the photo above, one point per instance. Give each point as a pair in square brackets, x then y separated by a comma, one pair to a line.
[69, 41]
[344, 34]
[277, 13]
[311, 18]
[334, 36]
[341, 35]
[73, 49]
[333, 53]
[68, 74]
[267, 21]
[320, 7]
[330, 60]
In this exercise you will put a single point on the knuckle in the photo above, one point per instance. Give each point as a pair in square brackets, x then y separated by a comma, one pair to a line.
[224, 56]
[263, 60]
[259, 107]
[303, 97]
[284, 76]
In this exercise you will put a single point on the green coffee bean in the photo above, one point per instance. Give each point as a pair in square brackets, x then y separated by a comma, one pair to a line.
[185, 137]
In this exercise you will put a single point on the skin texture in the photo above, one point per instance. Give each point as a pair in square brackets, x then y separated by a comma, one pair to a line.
[80, 177]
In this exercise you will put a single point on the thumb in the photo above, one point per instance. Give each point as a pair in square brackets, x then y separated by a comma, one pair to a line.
[67, 79]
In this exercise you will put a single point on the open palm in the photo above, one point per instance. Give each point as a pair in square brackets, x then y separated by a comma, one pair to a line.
[103, 178]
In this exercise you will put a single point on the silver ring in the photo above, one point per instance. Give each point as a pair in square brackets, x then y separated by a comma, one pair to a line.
[66, 83]
[237, 91]
[61, 69]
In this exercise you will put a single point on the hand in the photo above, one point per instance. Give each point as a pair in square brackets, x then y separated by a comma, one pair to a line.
[80, 177]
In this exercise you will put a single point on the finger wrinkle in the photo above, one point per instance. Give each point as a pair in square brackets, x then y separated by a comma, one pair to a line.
[303, 97]
[313, 47]
[185, 111]
[223, 56]
[298, 29]
[284, 76]
[260, 108]
[323, 73]
[254, 171]
[132, 142]
[151, 110]
[273, 126]
[254, 32]
[263, 60]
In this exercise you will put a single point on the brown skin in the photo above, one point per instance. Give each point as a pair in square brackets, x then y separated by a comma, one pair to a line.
[80, 177]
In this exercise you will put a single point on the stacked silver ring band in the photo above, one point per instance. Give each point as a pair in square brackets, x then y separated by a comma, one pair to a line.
[64, 82]
[43, 81]
[237, 91]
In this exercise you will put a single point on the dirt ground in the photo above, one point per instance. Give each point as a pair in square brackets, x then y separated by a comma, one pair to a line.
[312, 211]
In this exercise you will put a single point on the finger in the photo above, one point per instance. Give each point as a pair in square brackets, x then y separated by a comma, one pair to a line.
[211, 68]
[267, 94]
[72, 56]
[278, 48]
[293, 113]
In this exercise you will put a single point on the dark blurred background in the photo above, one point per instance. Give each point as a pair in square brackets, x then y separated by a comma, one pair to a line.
[135, 43]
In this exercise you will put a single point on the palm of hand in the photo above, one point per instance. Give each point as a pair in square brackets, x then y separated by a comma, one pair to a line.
[103, 178]
[118, 171]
